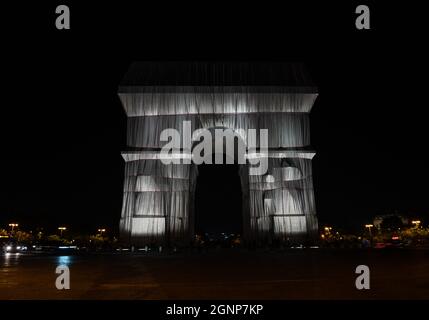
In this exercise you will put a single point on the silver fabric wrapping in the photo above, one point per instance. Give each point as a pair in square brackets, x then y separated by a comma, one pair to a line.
[158, 198]
[285, 130]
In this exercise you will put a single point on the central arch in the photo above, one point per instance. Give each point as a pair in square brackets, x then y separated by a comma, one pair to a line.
[218, 200]
[218, 195]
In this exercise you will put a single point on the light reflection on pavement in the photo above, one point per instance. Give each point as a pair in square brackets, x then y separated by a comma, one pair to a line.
[226, 274]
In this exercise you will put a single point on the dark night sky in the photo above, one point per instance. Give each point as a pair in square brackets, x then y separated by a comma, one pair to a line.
[63, 127]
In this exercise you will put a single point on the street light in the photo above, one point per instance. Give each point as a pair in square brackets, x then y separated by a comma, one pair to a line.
[61, 230]
[416, 222]
[369, 226]
[13, 225]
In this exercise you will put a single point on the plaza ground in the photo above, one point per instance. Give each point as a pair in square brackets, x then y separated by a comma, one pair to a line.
[219, 274]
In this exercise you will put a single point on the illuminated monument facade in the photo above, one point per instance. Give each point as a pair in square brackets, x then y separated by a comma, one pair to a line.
[158, 201]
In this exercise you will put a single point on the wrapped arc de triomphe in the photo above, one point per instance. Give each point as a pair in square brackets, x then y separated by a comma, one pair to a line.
[158, 199]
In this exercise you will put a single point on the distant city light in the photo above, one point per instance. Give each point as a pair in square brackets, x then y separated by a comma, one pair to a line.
[416, 222]
[369, 226]
[13, 225]
[61, 230]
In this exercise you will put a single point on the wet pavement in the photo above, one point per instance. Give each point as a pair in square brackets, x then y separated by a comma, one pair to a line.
[223, 274]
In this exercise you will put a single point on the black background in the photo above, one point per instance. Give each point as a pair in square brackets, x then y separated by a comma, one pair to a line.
[63, 127]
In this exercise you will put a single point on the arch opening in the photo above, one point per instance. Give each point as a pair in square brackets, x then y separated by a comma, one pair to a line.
[218, 193]
[218, 202]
